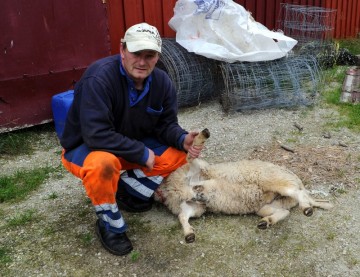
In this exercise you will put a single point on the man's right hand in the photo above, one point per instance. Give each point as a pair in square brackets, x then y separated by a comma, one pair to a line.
[151, 160]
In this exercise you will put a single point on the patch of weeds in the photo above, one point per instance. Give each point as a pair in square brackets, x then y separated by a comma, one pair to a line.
[58, 172]
[20, 142]
[22, 219]
[175, 229]
[283, 239]
[171, 231]
[4, 256]
[15, 143]
[298, 250]
[341, 191]
[53, 196]
[86, 239]
[134, 256]
[17, 186]
[340, 173]
[330, 236]
[353, 45]
[333, 97]
[350, 113]
[353, 262]
[138, 225]
[83, 213]
[334, 75]
[87, 201]
[292, 140]
[49, 230]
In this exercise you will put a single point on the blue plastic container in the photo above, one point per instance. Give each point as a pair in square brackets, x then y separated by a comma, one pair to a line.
[60, 104]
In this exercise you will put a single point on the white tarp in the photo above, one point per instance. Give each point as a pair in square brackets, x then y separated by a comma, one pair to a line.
[225, 31]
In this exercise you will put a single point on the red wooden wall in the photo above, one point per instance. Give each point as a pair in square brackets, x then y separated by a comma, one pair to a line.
[45, 47]
[124, 13]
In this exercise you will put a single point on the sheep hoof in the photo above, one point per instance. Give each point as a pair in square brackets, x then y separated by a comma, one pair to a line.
[206, 133]
[308, 211]
[190, 238]
[262, 225]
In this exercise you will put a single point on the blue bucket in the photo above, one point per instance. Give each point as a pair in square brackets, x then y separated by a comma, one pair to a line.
[60, 104]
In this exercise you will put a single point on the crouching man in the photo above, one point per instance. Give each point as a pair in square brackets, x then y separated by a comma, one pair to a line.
[122, 136]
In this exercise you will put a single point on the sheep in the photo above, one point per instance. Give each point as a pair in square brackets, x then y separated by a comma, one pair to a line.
[241, 187]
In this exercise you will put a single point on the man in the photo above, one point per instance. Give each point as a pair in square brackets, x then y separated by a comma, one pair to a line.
[124, 119]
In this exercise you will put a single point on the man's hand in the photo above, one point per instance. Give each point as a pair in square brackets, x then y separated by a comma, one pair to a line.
[193, 150]
[151, 160]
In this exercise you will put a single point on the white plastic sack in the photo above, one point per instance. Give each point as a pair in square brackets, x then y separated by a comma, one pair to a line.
[225, 31]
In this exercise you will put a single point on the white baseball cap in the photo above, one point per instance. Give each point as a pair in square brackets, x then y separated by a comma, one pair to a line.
[142, 37]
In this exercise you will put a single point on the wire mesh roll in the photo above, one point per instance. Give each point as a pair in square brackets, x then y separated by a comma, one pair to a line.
[307, 23]
[285, 82]
[194, 76]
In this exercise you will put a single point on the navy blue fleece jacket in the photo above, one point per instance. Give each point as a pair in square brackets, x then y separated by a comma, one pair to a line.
[104, 117]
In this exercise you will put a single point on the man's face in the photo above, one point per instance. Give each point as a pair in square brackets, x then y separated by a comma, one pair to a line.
[139, 65]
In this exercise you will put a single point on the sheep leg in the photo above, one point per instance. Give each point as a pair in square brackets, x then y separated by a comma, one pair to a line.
[300, 195]
[199, 140]
[189, 209]
[271, 215]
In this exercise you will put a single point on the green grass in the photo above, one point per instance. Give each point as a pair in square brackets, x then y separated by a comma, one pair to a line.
[22, 219]
[20, 142]
[353, 45]
[350, 113]
[17, 186]
[134, 256]
[86, 239]
[4, 255]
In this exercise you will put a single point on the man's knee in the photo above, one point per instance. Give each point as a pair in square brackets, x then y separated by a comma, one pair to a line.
[106, 165]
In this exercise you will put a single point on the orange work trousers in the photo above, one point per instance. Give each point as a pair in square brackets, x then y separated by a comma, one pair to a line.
[100, 173]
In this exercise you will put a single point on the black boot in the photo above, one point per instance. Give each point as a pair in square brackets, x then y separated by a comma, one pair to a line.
[116, 243]
[130, 203]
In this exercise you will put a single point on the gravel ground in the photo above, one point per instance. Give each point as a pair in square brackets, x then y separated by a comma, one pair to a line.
[62, 241]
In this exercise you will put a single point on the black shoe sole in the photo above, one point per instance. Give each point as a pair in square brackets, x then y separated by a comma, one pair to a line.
[117, 253]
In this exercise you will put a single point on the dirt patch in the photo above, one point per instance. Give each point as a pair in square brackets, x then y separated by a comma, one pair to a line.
[62, 241]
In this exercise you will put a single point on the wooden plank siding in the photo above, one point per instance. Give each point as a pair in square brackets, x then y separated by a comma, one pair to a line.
[124, 13]
[46, 46]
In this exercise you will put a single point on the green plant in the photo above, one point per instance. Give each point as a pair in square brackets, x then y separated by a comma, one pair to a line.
[353, 45]
[330, 236]
[53, 196]
[17, 186]
[349, 113]
[22, 219]
[15, 143]
[4, 255]
[86, 239]
[20, 142]
[135, 255]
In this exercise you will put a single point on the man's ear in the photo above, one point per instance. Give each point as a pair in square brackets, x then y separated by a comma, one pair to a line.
[121, 50]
